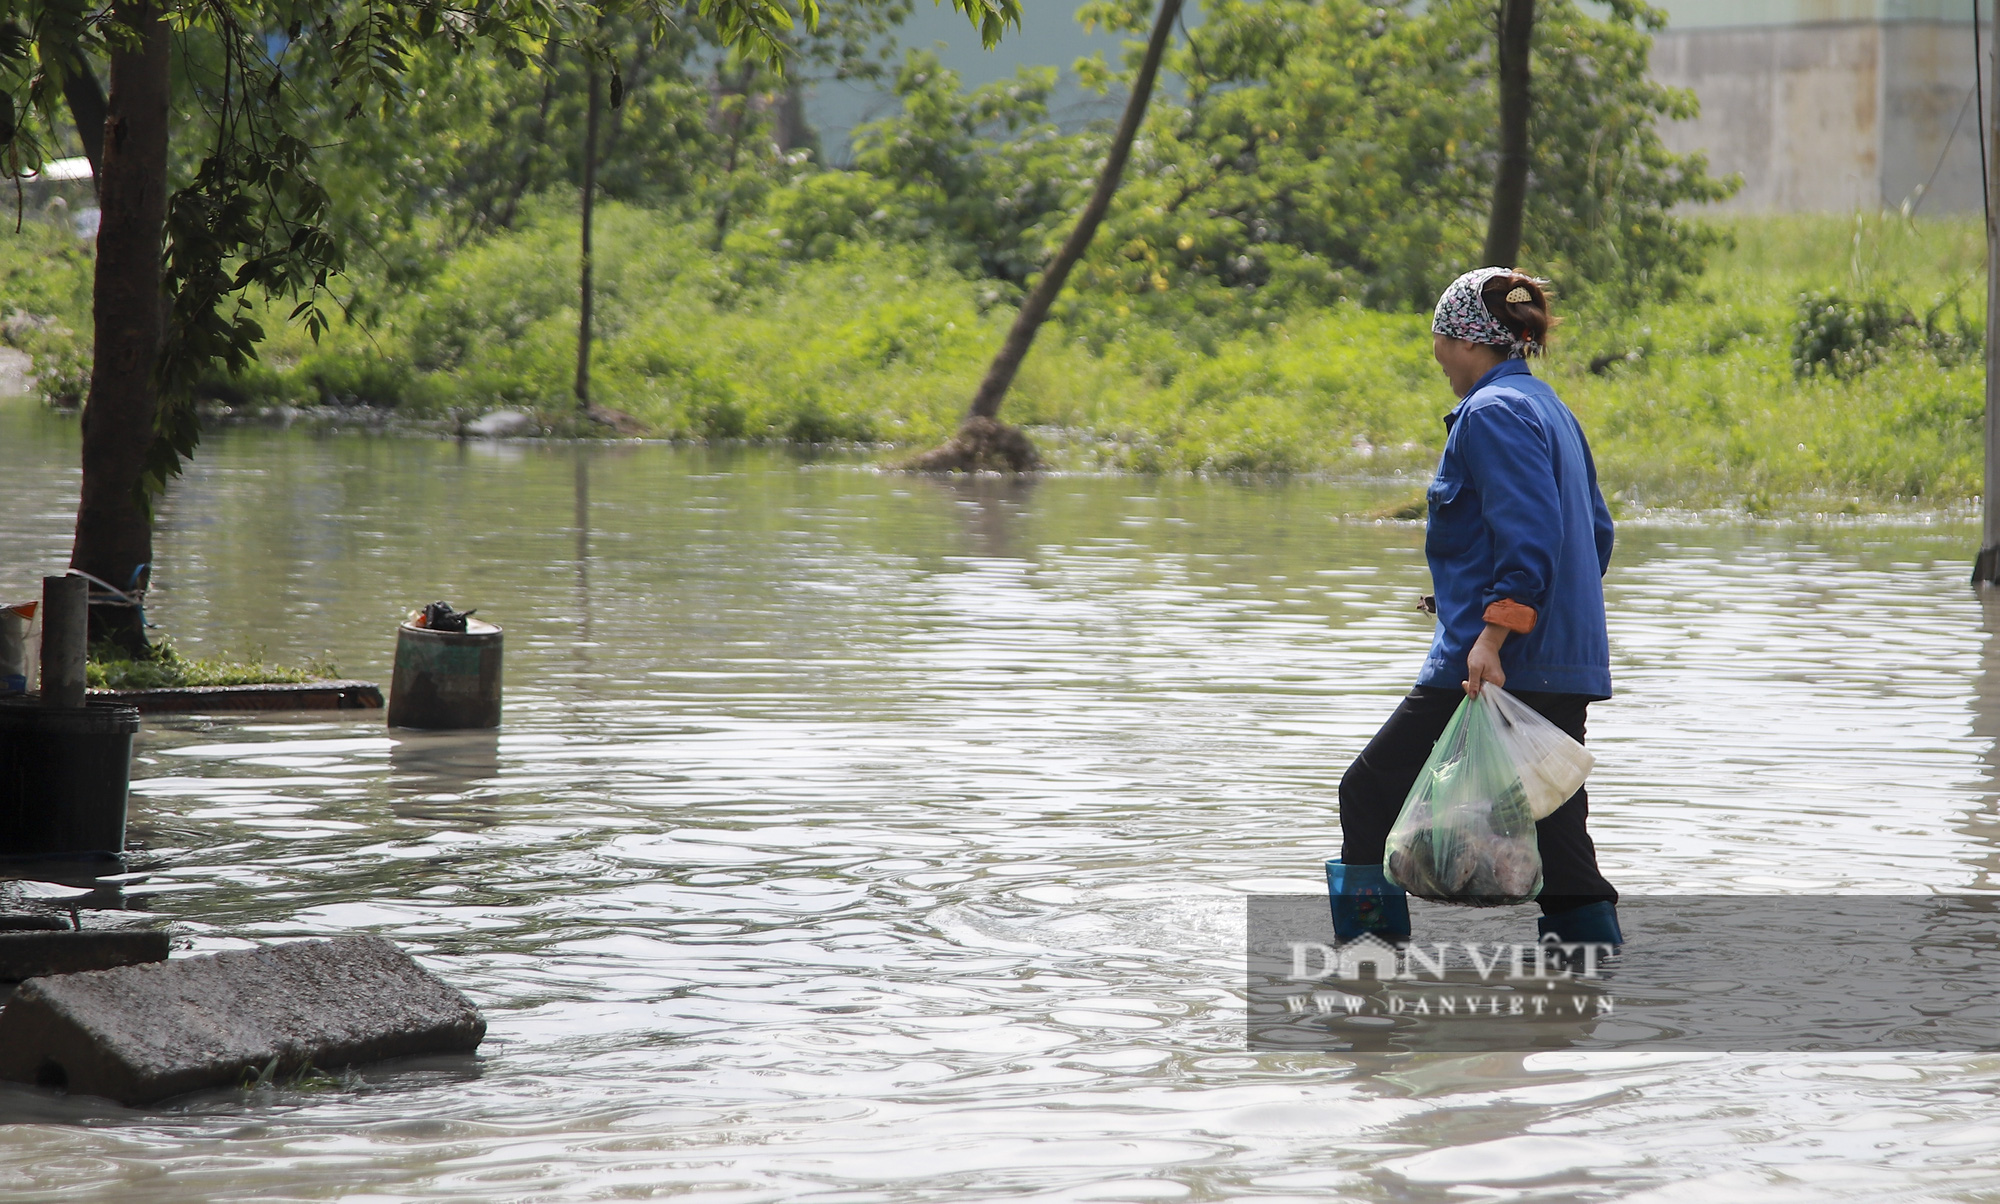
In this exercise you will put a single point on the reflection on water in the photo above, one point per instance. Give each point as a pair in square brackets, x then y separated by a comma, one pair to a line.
[442, 764]
[853, 836]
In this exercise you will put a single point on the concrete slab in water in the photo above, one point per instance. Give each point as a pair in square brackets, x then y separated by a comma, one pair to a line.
[29, 954]
[144, 1033]
[298, 696]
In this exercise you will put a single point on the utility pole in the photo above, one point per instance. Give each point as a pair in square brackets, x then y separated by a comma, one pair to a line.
[587, 298]
[1986, 570]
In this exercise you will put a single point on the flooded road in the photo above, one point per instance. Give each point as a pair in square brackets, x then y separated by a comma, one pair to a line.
[853, 837]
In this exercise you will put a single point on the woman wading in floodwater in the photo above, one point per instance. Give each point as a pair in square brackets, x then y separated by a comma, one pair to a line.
[1518, 540]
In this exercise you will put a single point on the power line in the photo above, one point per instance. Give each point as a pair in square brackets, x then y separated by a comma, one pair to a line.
[1924, 190]
[1979, 87]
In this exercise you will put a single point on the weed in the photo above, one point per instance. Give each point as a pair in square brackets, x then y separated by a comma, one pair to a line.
[110, 668]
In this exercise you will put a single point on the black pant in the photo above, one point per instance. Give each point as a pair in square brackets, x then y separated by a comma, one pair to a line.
[1374, 787]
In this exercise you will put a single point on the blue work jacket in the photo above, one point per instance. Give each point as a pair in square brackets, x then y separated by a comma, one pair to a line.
[1515, 513]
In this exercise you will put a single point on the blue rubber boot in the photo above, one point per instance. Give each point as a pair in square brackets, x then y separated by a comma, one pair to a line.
[1591, 924]
[1365, 901]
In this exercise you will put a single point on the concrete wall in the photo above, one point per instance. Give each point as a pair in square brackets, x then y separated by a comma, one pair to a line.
[1929, 118]
[1831, 117]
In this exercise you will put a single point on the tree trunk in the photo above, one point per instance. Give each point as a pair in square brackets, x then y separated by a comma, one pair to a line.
[87, 110]
[114, 530]
[1510, 177]
[735, 120]
[791, 129]
[594, 111]
[982, 440]
[58, 34]
[81, 92]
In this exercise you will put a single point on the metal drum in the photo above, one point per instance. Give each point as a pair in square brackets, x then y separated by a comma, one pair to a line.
[446, 679]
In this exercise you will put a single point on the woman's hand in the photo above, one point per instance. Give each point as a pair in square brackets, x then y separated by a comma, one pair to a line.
[1482, 664]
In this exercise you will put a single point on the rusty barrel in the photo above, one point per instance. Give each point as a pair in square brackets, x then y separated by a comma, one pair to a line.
[446, 679]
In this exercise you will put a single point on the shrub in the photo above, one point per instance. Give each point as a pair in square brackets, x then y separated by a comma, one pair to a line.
[110, 668]
[1832, 333]
[1842, 336]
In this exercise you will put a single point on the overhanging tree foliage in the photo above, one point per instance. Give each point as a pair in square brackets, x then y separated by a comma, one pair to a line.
[179, 262]
[1314, 150]
[469, 148]
[1335, 148]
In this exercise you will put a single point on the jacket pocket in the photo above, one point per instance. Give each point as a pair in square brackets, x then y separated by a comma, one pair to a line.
[1454, 520]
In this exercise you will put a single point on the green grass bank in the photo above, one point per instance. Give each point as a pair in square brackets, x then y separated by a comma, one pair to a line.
[111, 668]
[1689, 400]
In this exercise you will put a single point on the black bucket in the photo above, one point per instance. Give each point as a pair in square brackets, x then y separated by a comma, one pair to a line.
[63, 776]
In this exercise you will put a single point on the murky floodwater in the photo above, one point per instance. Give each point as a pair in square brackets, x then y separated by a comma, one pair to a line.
[855, 837]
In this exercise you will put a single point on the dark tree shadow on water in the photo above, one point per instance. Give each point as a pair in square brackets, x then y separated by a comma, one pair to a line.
[581, 521]
[992, 508]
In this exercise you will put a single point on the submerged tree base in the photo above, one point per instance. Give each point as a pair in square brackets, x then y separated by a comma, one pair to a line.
[617, 420]
[120, 628]
[981, 444]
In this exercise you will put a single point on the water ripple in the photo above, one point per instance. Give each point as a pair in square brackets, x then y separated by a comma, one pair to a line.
[853, 837]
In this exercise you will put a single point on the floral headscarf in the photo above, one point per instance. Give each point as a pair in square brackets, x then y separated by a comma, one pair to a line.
[1462, 314]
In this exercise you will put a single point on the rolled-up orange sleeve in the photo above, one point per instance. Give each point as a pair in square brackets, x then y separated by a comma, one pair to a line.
[1512, 615]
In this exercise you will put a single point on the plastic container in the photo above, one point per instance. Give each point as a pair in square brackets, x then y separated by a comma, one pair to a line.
[18, 640]
[446, 680]
[1551, 764]
[64, 775]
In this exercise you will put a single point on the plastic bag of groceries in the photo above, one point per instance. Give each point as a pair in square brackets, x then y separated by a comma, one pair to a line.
[1552, 766]
[1467, 832]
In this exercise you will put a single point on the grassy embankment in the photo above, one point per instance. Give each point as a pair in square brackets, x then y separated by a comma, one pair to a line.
[1693, 401]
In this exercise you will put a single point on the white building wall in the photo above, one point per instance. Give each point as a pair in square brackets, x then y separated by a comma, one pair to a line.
[1827, 107]
[1930, 119]
[1791, 110]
